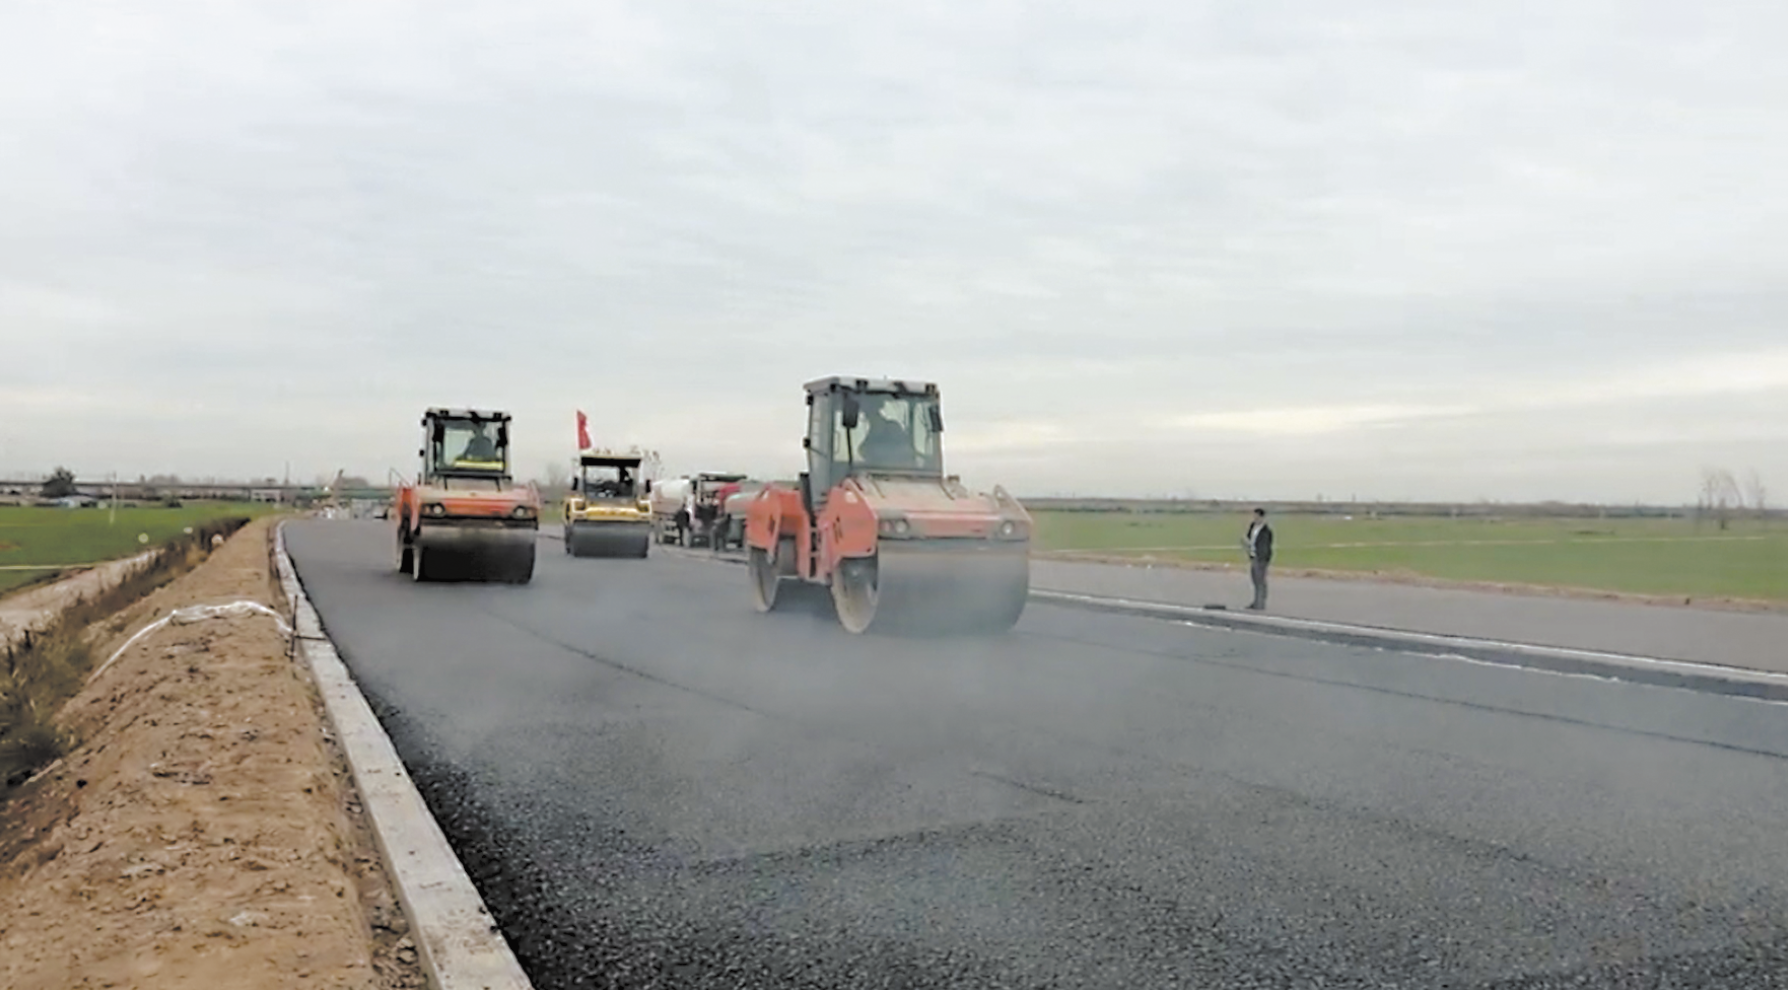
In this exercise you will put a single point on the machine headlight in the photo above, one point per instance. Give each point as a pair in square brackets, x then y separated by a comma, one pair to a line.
[1010, 529]
[894, 527]
[523, 512]
[434, 509]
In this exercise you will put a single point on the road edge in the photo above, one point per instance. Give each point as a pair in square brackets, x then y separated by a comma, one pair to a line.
[1656, 671]
[1689, 675]
[458, 941]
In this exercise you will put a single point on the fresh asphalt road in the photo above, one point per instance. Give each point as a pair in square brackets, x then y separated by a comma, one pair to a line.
[653, 785]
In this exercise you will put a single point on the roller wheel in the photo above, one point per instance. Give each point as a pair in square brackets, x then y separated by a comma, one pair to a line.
[766, 582]
[1007, 612]
[521, 569]
[922, 598]
[419, 567]
[856, 594]
[405, 556]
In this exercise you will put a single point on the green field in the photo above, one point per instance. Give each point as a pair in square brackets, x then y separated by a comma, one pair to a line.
[31, 536]
[1643, 556]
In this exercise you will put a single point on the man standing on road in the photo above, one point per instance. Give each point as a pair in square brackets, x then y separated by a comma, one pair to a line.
[1259, 543]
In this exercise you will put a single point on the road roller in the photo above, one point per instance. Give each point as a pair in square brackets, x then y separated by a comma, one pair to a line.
[607, 513]
[465, 517]
[874, 521]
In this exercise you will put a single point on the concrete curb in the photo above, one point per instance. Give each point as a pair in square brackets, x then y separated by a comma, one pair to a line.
[456, 937]
[1704, 677]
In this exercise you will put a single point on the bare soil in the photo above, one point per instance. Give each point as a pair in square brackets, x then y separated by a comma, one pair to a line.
[205, 832]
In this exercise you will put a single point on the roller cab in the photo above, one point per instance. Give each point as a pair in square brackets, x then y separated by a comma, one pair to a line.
[608, 513]
[897, 544]
[465, 517]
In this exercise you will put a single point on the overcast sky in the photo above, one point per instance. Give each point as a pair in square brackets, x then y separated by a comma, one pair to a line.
[1274, 248]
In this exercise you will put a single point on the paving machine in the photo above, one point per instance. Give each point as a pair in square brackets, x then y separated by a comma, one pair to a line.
[465, 516]
[607, 513]
[899, 545]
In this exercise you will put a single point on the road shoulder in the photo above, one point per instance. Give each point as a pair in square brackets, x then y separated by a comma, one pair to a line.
[1740, 640]
[205, 830]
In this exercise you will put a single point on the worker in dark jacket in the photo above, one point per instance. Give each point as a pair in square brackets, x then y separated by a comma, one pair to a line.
[1259, 543]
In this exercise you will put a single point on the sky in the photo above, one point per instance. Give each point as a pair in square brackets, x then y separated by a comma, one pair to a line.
[1268, 249]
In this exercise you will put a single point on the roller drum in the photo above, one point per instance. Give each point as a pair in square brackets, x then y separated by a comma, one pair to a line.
[609, 539]
[934, 587]
[474, 552]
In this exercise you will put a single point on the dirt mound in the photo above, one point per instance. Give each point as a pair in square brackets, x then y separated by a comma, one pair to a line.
[205, 833]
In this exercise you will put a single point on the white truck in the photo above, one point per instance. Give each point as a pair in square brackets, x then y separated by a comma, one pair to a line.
[684, 509]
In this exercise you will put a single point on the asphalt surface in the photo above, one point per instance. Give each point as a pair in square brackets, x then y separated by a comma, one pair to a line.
[655, 786]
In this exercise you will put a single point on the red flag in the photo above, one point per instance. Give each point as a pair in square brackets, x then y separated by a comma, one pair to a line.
[583, 431]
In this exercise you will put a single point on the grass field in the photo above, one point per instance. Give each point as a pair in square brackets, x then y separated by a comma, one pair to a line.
[32, 537]
[1642, 556]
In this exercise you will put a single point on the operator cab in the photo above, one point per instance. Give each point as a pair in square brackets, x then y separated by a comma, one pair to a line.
[465, 444]
[608, 479]
[863, 427]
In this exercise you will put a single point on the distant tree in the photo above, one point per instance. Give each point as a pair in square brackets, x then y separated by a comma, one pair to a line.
[1720, 495]
[1758, 493]
[554, 480]
[61, 484]
[651, 464]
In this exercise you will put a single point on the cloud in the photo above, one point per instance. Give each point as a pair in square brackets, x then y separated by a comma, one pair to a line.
[1146, 246]
[1309, 420]
[1692, 377]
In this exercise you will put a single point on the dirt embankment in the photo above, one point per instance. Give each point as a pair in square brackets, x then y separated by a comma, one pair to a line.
[205, 832]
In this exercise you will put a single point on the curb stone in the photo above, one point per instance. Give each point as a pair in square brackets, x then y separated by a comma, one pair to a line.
[456, 938]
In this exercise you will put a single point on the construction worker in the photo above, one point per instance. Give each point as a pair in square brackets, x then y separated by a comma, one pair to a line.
[1259, 543]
